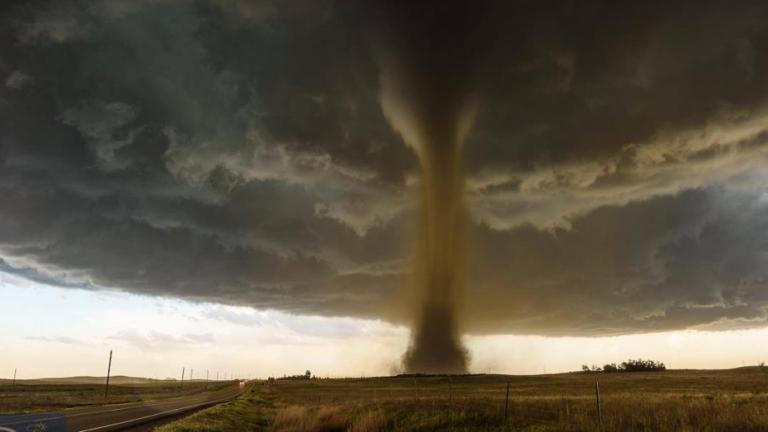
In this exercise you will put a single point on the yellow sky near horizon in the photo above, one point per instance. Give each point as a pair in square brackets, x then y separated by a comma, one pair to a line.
[69, 332]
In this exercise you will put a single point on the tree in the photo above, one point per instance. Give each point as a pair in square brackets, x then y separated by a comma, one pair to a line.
[593, 368]
[641, 365]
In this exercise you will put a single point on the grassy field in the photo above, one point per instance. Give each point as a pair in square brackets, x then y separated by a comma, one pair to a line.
[251, 411]
[53, 395]
[730, 400]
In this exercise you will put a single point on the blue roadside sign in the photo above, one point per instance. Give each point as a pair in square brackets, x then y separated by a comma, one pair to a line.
[33, 423]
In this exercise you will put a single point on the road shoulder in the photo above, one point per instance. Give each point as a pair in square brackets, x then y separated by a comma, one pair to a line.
[249, 411]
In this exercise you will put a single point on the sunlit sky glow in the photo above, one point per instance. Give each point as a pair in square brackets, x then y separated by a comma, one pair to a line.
[49, 331]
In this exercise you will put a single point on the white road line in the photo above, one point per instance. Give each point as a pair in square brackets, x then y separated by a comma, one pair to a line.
[160, 414]
[68, 416]
[147, 405]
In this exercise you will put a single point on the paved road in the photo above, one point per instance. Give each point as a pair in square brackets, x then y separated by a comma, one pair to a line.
[117, 416]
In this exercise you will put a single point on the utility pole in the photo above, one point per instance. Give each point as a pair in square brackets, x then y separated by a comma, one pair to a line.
[217, 376]
[182, 376]
[14, 377]
[191, 375]
[109, 369]
[206, 374]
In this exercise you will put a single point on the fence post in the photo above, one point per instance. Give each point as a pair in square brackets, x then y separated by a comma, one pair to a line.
[450, 400]
[506, 403]
[597, 406]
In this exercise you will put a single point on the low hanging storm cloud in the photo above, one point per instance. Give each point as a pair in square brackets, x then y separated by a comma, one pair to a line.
[237, 152]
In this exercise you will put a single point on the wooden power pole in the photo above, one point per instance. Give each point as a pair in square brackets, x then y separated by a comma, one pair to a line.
[109, 370]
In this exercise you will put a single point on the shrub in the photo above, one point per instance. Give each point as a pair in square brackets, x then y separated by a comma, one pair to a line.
[638, 365]
[641, 365]
[593, 368]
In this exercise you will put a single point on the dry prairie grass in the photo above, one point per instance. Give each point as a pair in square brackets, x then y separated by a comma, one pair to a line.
[370, 421]
[31, 396]
[297, 418]
[679, 401]
[733, 400]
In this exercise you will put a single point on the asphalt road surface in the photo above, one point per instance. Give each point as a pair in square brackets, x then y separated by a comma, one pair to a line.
[117, 416]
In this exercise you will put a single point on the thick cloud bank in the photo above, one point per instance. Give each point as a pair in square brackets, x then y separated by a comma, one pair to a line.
[236, 152]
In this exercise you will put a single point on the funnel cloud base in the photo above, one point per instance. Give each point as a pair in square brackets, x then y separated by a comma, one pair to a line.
[436, 346]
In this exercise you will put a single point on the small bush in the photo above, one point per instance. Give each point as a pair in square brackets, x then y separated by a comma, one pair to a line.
[641, 365]
[638, 365]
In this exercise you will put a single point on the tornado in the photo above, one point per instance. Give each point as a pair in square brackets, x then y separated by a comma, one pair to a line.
[429, 63]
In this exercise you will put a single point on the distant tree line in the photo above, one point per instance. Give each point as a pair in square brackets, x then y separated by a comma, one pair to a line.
[638, 365]
[307, 375]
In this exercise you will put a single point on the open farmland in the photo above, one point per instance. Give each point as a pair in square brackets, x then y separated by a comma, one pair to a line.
[58, 394]
[729, 400]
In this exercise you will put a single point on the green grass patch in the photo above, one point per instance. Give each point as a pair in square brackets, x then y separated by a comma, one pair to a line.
[42, 396]
[249, 411]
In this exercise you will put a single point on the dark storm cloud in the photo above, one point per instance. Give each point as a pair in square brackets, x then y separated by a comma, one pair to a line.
[662, 264]
[236, 152]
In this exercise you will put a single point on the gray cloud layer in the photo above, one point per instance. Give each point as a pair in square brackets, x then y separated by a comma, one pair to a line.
[236, 152]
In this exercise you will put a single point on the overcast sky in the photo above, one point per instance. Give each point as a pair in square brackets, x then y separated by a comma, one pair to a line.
[234, 153]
